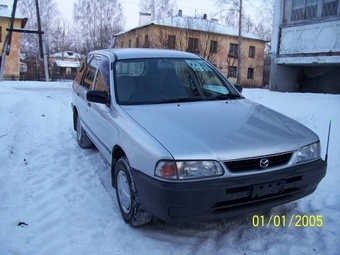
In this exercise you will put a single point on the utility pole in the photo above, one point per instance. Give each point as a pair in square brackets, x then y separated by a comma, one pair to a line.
[239, 53]
[7, 44]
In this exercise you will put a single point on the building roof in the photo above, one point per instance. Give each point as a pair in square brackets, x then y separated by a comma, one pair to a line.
[67, 55]
[65, 64]
[198, 24]
[8, 13]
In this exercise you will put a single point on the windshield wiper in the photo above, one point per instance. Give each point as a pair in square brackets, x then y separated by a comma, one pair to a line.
[180, 100]
[226, 96]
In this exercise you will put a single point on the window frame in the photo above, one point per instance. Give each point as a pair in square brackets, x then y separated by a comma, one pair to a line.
[232, 72]
[250, 73]
[171, 42]
[213, 46]
[252, 52]
[233, 50]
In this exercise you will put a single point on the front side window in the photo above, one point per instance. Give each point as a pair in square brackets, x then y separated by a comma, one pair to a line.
[102, 80]
[90, 73]
[153, 81]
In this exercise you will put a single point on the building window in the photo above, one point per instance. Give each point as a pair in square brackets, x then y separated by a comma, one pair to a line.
[329, 7]
[250, 74]
[213, 46]
[146, 42]
[232, 72]
[233, 50]
[251, 51]
[137, 42]
[193, 45]
[297, 10]
[171, 42]
[129, 43]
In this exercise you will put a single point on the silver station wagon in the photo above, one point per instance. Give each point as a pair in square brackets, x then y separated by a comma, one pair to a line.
[183, 143]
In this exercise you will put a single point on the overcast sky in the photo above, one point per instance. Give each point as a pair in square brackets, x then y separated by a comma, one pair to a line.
[131, 8]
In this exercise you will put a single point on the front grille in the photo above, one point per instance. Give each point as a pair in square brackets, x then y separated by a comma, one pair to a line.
[253, 164]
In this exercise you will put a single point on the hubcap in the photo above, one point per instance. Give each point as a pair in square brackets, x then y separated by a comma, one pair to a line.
[124, 194]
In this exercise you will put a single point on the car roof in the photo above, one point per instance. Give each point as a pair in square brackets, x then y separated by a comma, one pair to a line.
[136, 53]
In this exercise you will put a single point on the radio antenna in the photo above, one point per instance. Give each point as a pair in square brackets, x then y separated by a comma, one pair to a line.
[329, 133]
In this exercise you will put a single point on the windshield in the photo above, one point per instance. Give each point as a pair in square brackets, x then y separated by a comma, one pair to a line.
[147, 81]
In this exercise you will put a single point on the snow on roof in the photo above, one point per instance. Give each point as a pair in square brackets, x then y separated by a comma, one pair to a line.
[68, 55]
[197, 24]
[60, 63]
[8, 13]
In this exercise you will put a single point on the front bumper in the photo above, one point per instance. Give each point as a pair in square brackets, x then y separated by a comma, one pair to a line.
[212, 199]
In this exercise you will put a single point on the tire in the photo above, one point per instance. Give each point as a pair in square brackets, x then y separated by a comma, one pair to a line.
[127, 195]
[82, 138]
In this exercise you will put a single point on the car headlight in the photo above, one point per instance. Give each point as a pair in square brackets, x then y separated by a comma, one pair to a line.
[308, 153]
[188, 169]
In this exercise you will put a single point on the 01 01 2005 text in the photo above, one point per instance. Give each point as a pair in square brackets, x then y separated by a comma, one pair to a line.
[284, 221]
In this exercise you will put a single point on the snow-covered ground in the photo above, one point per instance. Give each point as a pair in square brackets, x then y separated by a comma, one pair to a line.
[63, 192]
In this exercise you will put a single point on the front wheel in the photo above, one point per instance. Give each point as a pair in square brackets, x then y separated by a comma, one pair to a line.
[127, 195]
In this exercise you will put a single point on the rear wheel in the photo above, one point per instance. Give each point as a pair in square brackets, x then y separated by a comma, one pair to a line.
[82, 138]
[127, 195]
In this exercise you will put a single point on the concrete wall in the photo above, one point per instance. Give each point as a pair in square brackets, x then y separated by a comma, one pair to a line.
[305, 54]
[12, 65]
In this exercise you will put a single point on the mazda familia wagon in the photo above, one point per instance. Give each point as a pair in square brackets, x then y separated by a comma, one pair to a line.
[183, 143]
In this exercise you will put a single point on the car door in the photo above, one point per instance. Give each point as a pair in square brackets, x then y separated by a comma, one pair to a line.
[84, 78]
[99, 115]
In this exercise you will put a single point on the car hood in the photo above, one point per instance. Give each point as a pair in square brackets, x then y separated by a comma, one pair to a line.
[220, 130]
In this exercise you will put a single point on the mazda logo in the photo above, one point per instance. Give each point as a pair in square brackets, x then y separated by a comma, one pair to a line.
[264, 163]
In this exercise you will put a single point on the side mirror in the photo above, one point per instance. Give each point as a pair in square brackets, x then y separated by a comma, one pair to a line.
[97, 96]
[238, 87]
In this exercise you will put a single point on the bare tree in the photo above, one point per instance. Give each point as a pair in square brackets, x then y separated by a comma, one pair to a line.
[99, 21]
[237, 6]
[49, 15]
[158, 8]
[61, 40]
